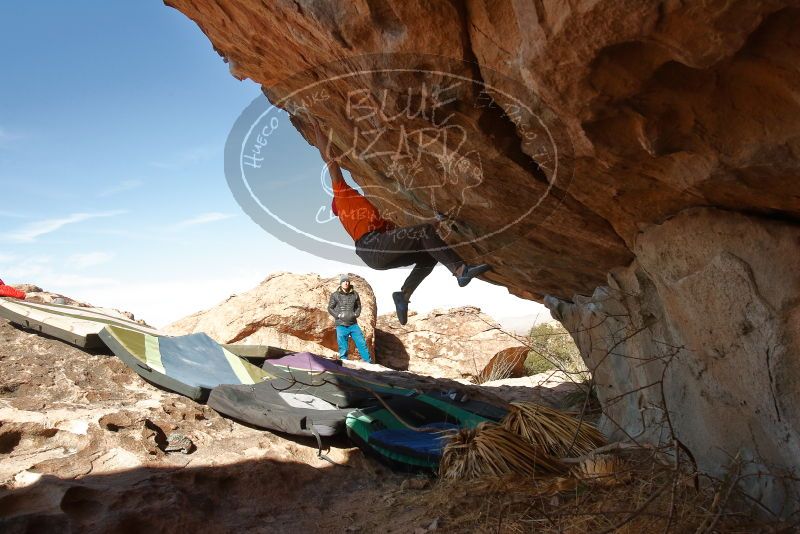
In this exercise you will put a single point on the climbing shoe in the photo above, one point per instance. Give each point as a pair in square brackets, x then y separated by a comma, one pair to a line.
[401, 306]
[471, 271]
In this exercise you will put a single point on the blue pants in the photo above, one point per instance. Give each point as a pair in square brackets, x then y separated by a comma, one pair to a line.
[344, 332]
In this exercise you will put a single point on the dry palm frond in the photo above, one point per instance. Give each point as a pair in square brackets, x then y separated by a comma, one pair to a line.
[555, 432]
[492, 450]
[602, 469]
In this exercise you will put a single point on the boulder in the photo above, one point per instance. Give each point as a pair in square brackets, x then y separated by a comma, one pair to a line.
[453, 343]
[648, 108]
[615, 120]
[699, 338]
[286, 310]
[508, 363]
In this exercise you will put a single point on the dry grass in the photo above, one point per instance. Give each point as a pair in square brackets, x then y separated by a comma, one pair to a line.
[491, 450]
[499, 370]
[529, 441]
[634, 494]
[557, 433]
[601, 469]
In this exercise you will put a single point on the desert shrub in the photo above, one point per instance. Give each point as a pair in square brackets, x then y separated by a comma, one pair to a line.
[553, 348]
[536, 363]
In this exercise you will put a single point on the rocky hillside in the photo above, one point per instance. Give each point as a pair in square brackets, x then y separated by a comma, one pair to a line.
[637, 161]
[82, 449]
[453, 343]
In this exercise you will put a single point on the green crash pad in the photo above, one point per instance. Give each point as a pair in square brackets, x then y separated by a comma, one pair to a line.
[378, 432]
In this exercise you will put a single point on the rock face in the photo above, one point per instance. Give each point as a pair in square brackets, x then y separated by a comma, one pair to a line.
[656, 109]
[701, 333]
[508, 363]
[662, 106]
[286, 310]
[454, 343]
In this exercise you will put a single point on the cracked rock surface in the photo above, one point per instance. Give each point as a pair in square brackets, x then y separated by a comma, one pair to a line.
[453, 343]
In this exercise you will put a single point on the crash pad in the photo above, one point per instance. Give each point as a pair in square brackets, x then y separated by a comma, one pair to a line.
[328, 379]
[265, 405]
[429, 443]
[73, 324]
[408, 434]
[190, 365]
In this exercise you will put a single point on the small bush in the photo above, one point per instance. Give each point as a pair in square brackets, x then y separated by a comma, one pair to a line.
[536, 363]
[553, 348]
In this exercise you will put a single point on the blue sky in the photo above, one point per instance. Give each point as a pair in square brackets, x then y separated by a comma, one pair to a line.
[113, 121]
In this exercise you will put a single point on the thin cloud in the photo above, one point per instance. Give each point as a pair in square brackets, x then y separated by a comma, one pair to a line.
[203, 218]
[188, 157]
[11, 215]
[31, 231]
[64, 283]
[122, 187]
[48, 272]
[89, 259]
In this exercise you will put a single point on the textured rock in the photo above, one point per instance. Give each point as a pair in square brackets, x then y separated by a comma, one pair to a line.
[444, 343]
[508, 363]
[664, 106]
[286, 310]
[709, 317]
[553, 388]
[658, 108]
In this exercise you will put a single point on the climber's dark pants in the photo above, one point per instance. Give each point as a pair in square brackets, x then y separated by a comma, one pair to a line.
[419, 246]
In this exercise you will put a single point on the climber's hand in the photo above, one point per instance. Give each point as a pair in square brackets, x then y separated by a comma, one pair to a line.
[321, 140]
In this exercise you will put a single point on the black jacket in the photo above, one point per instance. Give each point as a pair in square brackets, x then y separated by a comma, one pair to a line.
[345, 307]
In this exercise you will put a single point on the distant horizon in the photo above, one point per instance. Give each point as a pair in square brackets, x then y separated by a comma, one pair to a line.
[519, 325]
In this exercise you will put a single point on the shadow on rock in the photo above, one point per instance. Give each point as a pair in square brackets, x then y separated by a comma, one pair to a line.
[268, 495]
[390, 351]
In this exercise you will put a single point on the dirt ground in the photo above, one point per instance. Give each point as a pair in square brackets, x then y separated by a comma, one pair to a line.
[81, 450]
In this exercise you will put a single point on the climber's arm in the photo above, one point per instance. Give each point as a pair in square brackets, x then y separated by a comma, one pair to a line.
[333, 165]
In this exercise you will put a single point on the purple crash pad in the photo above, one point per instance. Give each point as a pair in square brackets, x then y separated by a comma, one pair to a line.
[314, 363]
[309, 362]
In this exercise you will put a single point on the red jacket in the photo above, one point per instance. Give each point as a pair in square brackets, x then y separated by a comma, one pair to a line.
[8, 291]
[356, 213]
